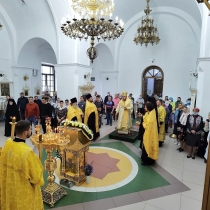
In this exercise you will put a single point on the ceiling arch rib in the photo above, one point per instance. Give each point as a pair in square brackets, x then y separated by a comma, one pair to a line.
[7, 23]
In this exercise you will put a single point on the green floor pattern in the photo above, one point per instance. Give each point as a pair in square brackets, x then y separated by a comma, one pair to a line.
[146, 179]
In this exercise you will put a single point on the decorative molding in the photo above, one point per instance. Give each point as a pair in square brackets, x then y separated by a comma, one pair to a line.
[73, 64]
[202, 60]
[23, 67]
[103, 72]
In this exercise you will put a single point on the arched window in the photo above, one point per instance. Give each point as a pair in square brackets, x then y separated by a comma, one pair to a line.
[152, 81]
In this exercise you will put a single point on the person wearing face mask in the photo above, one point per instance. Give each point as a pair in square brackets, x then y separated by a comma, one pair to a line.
[21, 172]
[194, 128]
[74, 112]
[178, 102]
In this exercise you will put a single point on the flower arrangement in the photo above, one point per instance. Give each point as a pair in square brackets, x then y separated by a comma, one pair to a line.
[85, 130]
[88, 169]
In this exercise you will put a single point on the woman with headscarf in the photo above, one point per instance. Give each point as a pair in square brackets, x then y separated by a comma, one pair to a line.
[194, 128]
[150, 148]
[12, 111]
[182, 129]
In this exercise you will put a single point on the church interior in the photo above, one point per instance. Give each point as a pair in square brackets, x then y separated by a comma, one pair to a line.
[71, 48]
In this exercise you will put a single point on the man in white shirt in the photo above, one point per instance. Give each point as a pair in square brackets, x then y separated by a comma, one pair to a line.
[140, 105]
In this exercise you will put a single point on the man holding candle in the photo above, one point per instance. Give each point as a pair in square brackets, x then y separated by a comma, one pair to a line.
[21, 173]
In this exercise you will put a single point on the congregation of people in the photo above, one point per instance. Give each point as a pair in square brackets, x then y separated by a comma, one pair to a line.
[154, 117]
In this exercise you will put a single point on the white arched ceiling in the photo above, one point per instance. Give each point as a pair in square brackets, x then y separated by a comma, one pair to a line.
[126, 9]
[103, 68]
[8, 34]
[34, 19]
[192, 24]
[176, 55]
[34, 52]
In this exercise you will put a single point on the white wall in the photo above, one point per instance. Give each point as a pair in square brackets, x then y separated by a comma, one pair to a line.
[69, 77]
[103, 68]
[176, 55]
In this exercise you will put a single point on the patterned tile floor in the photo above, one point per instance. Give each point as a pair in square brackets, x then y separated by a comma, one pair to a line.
[174, 183]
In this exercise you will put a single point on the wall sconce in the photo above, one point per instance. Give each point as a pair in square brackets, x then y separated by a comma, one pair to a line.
[195, 75]
[23, 1]
[25, 77]
[1, 26]
[1, 74]
[206, 2]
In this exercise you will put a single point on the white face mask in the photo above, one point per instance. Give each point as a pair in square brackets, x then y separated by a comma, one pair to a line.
[169, 100]
[195, 113]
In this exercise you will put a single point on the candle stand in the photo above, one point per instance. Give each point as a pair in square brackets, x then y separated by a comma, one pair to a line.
[50, 141]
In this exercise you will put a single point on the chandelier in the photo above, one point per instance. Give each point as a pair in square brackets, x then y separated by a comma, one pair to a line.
[85, 7]
[206, 2]
[147, 33]
[1, 26]
[94, 25]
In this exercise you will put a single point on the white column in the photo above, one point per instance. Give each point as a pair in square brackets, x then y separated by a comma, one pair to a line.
[203, 87]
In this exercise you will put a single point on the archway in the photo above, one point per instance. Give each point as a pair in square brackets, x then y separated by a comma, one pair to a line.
[152, 81]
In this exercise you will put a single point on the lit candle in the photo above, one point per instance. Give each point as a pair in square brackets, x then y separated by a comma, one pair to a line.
[13, 119]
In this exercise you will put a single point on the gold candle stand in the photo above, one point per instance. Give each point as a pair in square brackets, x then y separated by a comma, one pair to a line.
[13, 123]
[52, 192]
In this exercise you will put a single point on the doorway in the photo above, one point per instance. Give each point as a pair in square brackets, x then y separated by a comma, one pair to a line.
[152, 81]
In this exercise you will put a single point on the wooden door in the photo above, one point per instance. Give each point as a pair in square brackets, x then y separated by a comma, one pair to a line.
[158, 87]
[144, 91]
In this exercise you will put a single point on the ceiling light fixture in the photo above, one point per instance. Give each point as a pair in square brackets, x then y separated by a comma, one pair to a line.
[93, 23]
[147, 33]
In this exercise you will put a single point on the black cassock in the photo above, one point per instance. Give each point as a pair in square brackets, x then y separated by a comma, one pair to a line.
[91, 125]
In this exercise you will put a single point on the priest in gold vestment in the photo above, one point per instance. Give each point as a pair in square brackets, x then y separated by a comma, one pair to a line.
[91, 116]
[150, 148]
[124, 111]
[74, 112]
[21, 173]
[161, 120]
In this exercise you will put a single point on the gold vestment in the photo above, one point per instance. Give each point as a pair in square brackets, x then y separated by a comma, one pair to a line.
[161, 116]
[89, 108]
[150, 139]
[124, 119]
[74, 112]
[21, 175]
